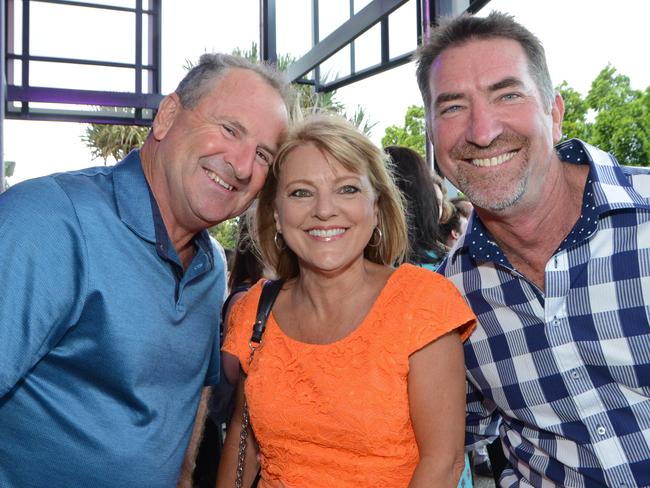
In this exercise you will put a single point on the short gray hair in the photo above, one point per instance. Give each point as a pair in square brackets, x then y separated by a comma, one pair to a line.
[456, 31]
[213, 66]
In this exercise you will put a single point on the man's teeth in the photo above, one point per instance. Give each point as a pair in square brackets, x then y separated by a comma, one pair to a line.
[495, 161]
[213, 176]
[325, 233]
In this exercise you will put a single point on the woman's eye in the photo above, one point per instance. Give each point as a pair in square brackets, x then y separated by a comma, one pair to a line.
[349, 190]
[300, 193]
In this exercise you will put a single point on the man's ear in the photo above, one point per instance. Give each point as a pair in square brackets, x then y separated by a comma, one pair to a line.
[168, 109]
[557, 112]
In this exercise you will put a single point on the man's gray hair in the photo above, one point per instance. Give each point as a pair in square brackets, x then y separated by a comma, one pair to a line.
[213, 66]
[456, 31]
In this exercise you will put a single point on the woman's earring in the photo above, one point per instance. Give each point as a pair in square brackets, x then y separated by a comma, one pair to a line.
[278, 241]
[378, 239]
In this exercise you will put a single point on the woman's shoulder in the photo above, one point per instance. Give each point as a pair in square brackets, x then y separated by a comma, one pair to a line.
[412, 275]
[427, 304]
[413, 287]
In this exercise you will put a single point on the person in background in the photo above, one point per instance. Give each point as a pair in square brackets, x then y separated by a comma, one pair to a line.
[554, 264]
[444, 206]
[424, 202]
[455, 226]
[112, 287]
[359, 377]
[463, 205]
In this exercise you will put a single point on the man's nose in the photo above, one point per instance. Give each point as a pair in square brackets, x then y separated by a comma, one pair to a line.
[242, 159]
[484, 125]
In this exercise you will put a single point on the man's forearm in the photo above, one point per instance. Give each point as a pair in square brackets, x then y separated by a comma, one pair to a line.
[189, 462]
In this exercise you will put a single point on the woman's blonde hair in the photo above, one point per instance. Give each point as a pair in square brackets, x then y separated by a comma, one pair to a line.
[338, 138]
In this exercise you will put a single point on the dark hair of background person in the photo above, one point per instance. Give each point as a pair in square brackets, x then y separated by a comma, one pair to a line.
[246, 267]
[415, 182]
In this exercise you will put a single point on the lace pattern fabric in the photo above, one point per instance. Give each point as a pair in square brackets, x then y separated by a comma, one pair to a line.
[338, 414]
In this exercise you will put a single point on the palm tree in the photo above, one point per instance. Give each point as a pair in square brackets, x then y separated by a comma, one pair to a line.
[112, 140]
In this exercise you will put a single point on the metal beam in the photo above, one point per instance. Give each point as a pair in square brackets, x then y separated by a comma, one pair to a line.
[346, 33]
[366, 73]
[268, 35]
[82, 97]
[146, 88]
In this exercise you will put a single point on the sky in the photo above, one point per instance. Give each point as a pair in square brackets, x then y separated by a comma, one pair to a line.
[580, 37]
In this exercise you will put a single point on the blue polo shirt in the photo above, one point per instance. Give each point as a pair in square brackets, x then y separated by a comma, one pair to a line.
[105, 343]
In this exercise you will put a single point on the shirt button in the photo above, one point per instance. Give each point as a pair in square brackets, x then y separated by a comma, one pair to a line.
[601, 430]
[575, 375]
[180, 308]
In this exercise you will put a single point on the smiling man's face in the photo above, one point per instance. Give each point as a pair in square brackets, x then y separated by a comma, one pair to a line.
[216, 155]
[492, 132]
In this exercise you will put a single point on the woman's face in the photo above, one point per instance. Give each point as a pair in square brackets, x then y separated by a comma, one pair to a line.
[325, 212]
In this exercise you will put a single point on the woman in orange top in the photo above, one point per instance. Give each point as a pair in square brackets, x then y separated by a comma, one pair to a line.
[359, 380]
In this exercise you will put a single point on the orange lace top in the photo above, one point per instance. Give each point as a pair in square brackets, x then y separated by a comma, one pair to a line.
[338, 414]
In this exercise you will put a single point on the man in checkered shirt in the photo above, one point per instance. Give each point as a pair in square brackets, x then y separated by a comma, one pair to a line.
[555, 263]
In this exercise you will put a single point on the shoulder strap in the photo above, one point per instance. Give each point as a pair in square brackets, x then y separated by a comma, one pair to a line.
[270, 292]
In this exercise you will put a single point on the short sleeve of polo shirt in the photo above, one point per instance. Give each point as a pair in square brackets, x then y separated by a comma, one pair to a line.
[44, 272]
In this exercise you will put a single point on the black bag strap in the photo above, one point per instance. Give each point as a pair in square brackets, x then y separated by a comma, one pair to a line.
[270, 292]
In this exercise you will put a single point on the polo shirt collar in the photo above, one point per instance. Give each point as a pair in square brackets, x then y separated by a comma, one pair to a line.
[136, 204]
[132, 196]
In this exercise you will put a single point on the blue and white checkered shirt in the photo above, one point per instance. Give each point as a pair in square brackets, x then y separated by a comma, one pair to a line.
[563, 376]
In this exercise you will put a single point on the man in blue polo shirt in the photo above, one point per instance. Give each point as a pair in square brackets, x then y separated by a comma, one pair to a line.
[112, 288]
[555, 264]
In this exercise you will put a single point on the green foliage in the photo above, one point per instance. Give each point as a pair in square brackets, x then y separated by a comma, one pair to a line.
[106, 140]
[8, 172]
[613, 117]
[575, 115]
[226, 233]
[412, 134]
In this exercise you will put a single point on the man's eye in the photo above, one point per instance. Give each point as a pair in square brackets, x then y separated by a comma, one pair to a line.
[450, 109]
[510, 96]
[229, 130]
[300, 193]
[349, 190]
[264, 158]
